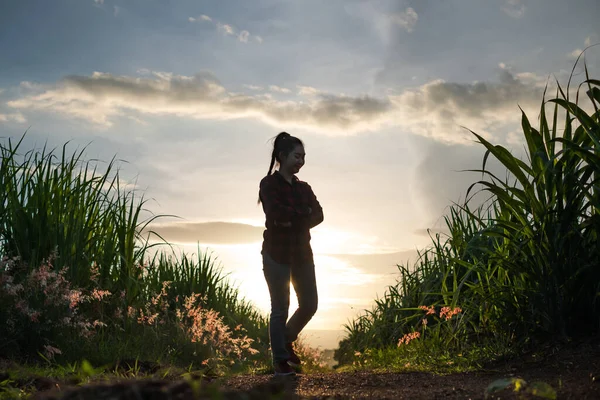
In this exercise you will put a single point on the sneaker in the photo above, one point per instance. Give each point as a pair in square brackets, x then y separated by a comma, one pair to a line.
[282, 368]
[293, 360]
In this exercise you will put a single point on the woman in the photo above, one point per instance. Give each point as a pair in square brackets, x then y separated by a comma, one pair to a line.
[291, 209]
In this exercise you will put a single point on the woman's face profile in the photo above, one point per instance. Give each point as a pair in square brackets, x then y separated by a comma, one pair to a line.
[294, 161]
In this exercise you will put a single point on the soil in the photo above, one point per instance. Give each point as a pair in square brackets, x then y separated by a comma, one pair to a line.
[574, 373]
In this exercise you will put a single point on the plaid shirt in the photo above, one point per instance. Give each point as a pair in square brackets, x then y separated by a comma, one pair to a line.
[284, 202]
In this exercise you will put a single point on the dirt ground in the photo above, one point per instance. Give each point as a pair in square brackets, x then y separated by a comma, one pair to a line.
[574, 373]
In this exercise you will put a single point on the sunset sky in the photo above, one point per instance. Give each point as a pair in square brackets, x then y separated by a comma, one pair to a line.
[189, 93]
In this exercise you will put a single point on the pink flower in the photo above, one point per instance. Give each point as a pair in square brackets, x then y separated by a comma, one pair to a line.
[75, 297]
[34, 316]
[408, 338]
[99, 294]
[22, 306]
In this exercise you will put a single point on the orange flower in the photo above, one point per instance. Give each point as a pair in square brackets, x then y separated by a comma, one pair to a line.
[447, 313]
[430, 310]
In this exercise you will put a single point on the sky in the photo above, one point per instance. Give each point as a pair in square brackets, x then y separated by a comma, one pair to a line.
[383, 93]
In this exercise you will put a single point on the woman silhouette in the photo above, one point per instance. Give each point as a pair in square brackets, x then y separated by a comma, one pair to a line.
[291, 210]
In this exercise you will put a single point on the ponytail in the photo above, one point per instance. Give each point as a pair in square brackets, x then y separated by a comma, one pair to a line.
[284, 142]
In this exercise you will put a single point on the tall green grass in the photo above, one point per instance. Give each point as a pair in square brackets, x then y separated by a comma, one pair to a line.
[523, 267]
[55, 205]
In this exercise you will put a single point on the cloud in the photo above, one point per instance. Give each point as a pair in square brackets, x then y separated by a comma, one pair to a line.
[436, 109]
[407, 19]
[577, 52]
[12, 117]
[275, 88]
[227, 29]
[209, 232]
[514, 8]
[307, 90]
[441, 177]
[101, 97]
[574, 54]
[378, 262]
[243, 36]
[253, 87]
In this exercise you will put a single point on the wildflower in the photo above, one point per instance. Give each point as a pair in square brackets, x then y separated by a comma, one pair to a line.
[34, 315]
[75, 297]
[50, 351]
[98, 323]
[94, 272]
[447, 313]
[13, 290]
[22, 306]
[408, 338]
[424, 321]
[99, 294]
[429, 310]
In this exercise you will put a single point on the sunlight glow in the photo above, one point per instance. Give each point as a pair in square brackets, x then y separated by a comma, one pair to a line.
[343, 289]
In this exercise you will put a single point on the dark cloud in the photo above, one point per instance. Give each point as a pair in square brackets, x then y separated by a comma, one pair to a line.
[209, 232]
[101, 97]
[436, 109]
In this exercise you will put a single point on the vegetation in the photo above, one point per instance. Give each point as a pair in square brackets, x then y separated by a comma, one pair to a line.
[518, 270]
[78, 281]
[80, 285]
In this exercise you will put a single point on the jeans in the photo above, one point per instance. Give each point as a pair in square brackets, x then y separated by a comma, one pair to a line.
[278, 279]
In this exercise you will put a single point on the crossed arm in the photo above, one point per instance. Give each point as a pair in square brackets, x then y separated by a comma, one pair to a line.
[286, 216]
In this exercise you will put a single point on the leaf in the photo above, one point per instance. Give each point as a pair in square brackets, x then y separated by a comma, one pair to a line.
[505, 383]
[543, 390]
[87, 369]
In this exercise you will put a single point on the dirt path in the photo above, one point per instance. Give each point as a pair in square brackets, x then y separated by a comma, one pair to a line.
[576, 384]
[363, 385]
[574, 373]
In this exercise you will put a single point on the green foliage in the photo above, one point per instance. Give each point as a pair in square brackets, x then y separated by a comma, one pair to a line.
[79, 278]
[523, 267]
